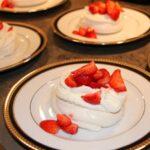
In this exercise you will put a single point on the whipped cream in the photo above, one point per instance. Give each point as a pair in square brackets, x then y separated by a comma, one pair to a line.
[88, 116]
[28, 3]
[102, 23]
[8, 40]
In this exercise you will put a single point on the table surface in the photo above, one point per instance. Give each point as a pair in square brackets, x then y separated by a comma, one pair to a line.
[59, 49]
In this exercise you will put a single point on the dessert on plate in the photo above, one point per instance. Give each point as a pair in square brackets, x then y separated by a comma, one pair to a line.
[103, 17]
[20, 3]
[88, 97]
[92, 97]
[8, 40]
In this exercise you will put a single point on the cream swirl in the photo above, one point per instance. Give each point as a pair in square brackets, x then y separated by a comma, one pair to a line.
[8, 39]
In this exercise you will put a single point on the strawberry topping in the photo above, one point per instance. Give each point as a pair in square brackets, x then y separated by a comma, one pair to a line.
[92, 98]
[112, 8]
[90, 75]
[116, 81]
[7, 4]
[88, 69]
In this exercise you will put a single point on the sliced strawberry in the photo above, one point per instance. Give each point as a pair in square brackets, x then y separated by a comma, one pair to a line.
[82, 31]
[97, 75]
[105, 79]
[92, 98]
[113, 9]
[110, 5]
[88, 69]
[50, 126]
[94, 85]
[1, 25]
[116, 81]
[102, 7]
[75, 32]
[7, 4]
[70, 81]
[91, 33]
[63, 120]
[118, 6]
[115, 13]
[83, 80]
[10, 29]
[93, 8]
[71, 129]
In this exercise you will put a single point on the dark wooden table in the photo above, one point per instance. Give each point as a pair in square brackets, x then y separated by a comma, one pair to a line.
[58, 49]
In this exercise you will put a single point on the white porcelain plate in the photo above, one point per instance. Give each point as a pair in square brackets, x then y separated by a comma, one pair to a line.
[26, 48]
[31, 100]
[45, 6]
[137, 26]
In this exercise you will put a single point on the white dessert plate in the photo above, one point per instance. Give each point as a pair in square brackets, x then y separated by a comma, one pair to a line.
[32, 98]
[137, 26]
[26, 48]
[45, 6]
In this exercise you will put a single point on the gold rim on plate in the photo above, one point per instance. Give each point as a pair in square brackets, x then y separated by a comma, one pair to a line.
[43, 39]
[66, 37]
[27, 141]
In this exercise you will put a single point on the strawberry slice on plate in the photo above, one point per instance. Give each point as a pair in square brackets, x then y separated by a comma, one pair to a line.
[116, 81]
[71, 129]
[90, 33]
[50, 126]
[92, 98]
[63, 120]
[88, 69]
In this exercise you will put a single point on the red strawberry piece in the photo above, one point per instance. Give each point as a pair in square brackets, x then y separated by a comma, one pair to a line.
[113, 9]
[50, 126]
[7, 4]
[102, 7]
[71, 129]
[92, 98]
[115, 14]
[75, 32]
[94, 85]
[70, 81]
[93, 8]
[91, 33]
[97, 75]
[116, 81]
[117, 5]
[88, 69]
[63, 120]
[1, 25]
[83, 80]
[10, 29]
[82, 31]
[105, 79]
